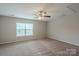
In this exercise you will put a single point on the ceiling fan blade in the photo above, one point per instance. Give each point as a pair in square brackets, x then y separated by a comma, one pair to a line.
[47, 16]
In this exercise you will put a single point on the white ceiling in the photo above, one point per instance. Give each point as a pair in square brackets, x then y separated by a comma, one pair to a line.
[27, 10]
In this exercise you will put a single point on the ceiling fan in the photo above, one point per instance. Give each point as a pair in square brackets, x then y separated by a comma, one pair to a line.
[42, 14]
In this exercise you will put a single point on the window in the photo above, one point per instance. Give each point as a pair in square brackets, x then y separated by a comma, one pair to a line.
[29, 29]
[24, 29]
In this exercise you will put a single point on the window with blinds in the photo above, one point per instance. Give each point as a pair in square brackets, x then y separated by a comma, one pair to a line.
[24, 29]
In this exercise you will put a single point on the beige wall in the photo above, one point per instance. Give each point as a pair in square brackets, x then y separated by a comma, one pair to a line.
[65, 29]
[8, 29]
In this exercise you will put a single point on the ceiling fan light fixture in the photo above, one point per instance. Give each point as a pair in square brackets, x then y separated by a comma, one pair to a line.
[41, 15]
